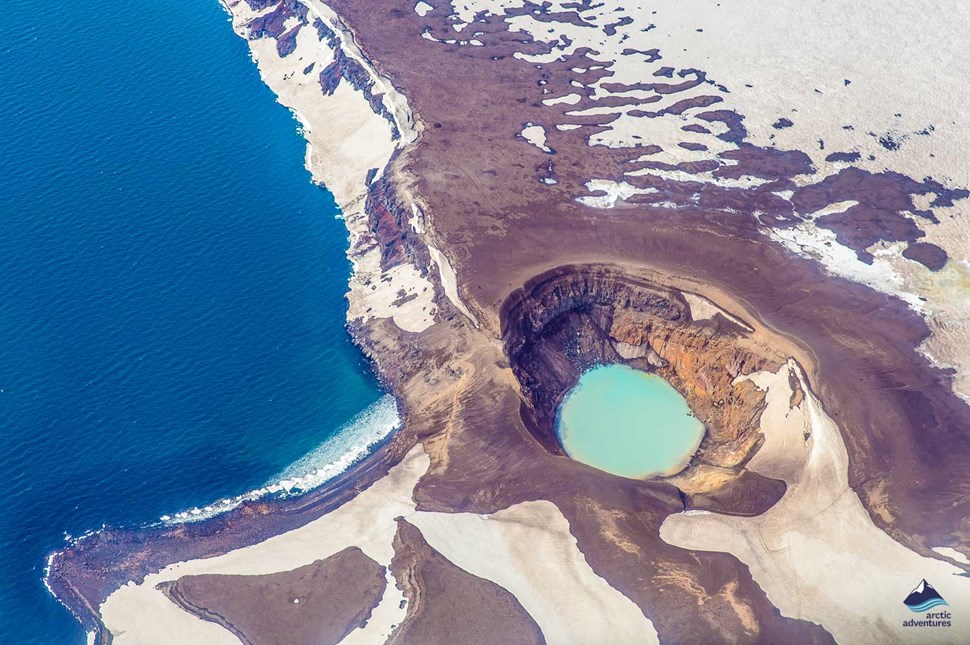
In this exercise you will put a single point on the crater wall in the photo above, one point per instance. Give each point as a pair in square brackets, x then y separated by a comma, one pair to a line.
[573, 318]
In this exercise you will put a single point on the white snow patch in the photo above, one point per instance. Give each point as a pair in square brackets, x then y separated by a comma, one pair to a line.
[568, 99]
[536, 135]
[614, 191]
[422, 8]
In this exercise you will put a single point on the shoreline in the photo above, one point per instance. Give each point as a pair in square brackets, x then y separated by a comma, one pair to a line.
[350, 186]
[285, 485]
[82, 584]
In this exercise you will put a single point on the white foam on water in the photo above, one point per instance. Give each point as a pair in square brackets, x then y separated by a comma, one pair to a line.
[351, 443]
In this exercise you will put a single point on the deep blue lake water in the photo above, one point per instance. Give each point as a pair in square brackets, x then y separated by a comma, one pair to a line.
[171, 284]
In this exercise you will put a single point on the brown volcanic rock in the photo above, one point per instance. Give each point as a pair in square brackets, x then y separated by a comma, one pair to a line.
[502, 227]
[929, 255]
[449, 605]
[731, 493]
[319, 603]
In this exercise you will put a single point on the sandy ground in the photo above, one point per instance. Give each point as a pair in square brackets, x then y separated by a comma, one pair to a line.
[400, 293]
[817, 553]
[703, 309]
[527, 549]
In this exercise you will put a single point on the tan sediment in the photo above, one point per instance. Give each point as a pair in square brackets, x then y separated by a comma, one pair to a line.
[703, 309]
[529, 550]
[817, 553]
[703, 478]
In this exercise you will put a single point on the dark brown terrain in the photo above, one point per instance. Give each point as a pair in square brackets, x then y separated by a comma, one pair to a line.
[316, 604]
[442, 597]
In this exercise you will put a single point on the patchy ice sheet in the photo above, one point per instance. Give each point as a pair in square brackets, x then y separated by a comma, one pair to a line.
[701, 86]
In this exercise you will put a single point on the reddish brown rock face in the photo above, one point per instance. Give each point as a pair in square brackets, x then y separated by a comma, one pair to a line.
[576, 318]
[572, 319]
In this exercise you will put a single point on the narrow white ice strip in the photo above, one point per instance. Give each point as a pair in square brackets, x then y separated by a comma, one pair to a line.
[703, 309]
[568, 99]
[351, 443]
[615, 191]
[388, 614]
[416, 221]
[833, 209]
[948, 552]
[449, 281]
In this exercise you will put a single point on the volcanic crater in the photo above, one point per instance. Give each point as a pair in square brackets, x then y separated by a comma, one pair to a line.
[573, 318]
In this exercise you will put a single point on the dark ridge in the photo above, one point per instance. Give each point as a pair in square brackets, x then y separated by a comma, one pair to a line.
[272, 24]
[689, 145]
[389, 226]
[286, 43]
[735, 123]
[844, 157]
[929, 255]
[330, 78]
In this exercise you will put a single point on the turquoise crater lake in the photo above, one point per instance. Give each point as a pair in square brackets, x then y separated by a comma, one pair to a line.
[627, 422]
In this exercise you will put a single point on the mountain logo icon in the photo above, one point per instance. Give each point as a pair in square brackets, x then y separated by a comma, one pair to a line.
[923, 598]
